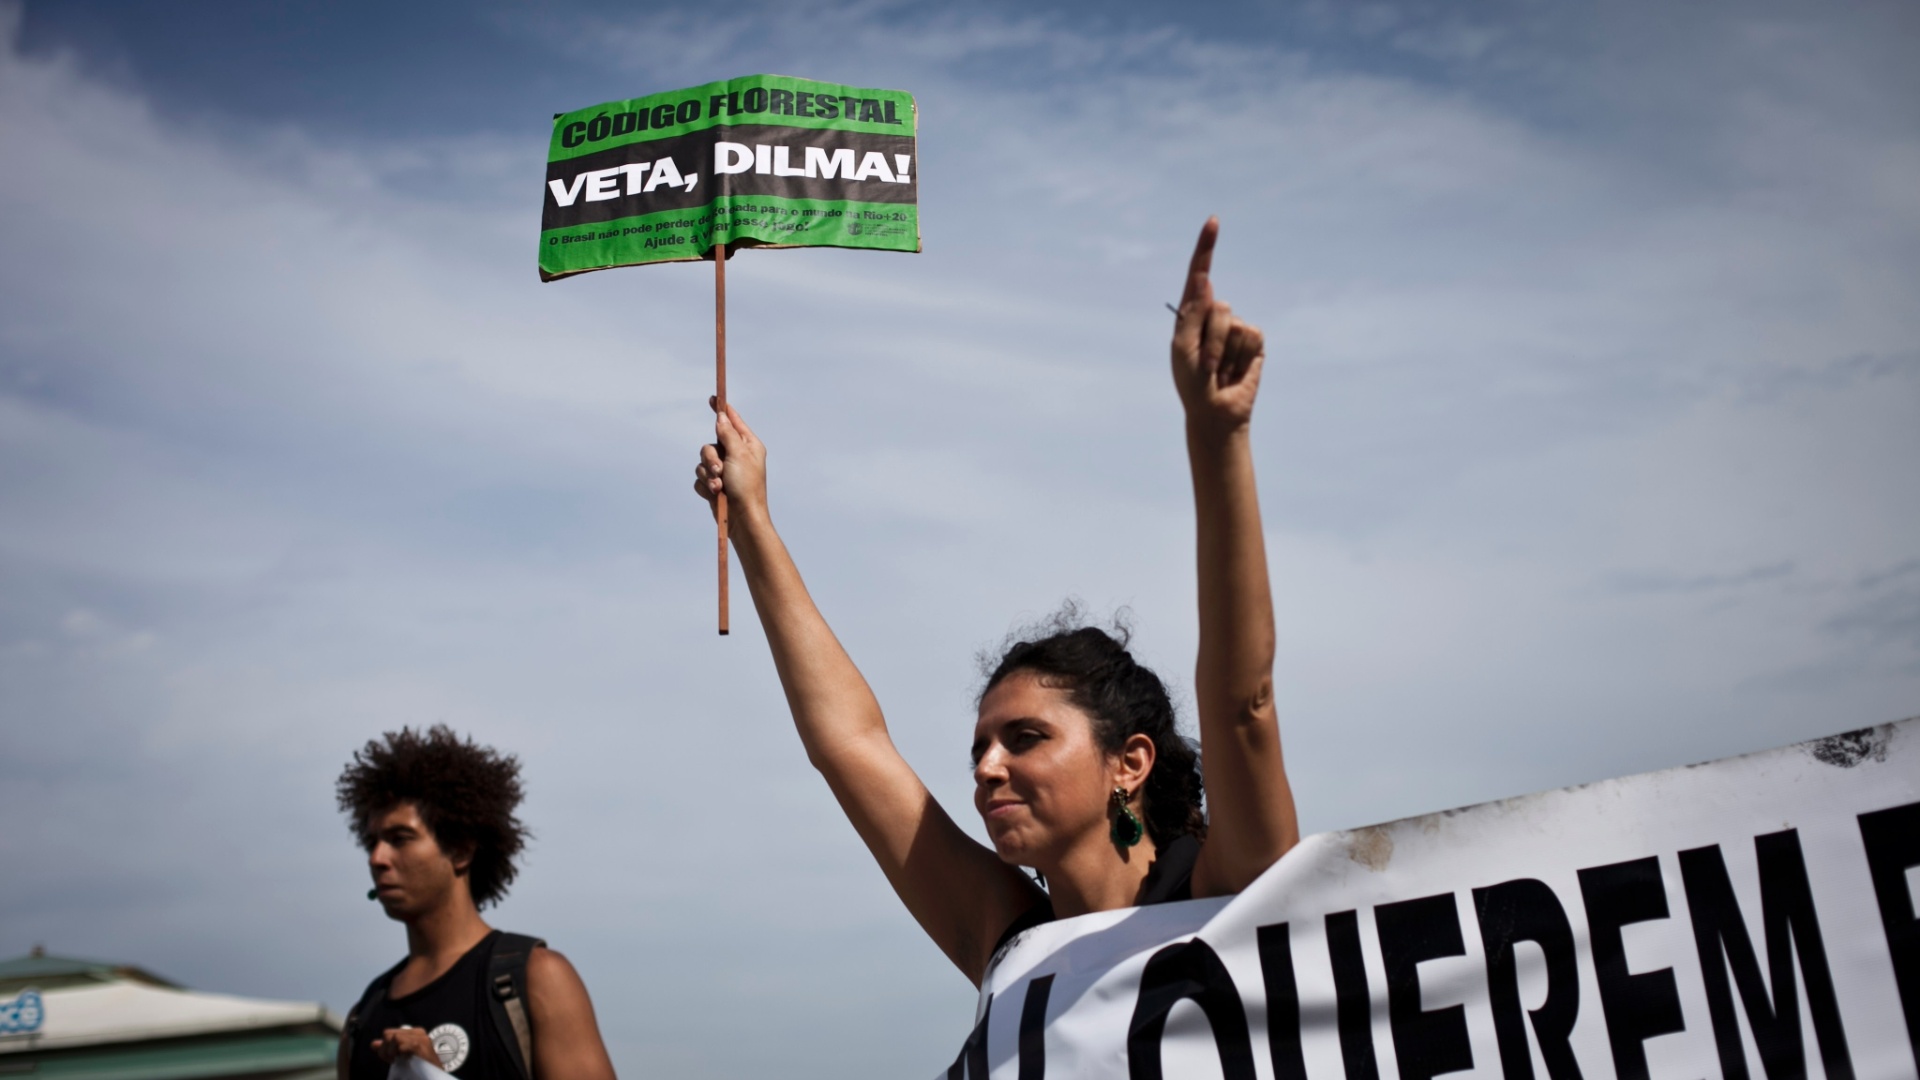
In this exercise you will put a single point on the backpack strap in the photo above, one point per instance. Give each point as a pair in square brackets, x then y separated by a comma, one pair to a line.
[507, 997]
[367, 1004]
[369, 1001]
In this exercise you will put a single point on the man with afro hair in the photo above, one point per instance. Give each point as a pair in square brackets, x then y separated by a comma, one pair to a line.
[435, 813]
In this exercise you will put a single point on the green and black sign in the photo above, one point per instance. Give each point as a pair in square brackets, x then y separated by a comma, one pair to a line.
[762, 160]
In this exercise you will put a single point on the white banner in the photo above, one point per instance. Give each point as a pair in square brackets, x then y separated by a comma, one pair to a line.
[1748, 919]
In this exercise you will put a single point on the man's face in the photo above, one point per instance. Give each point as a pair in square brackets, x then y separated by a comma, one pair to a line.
[411, 874]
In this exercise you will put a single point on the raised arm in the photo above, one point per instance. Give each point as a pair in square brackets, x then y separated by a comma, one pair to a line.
[958, 890]
[1217, 360]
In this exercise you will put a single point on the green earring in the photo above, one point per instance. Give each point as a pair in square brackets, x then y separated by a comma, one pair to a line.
[1127, 827]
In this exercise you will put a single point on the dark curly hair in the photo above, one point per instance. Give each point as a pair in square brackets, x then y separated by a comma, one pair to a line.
[1124, 698]
[466, 793]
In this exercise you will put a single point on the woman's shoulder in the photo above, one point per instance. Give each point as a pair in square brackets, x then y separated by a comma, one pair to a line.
[1171, 876]
[1040, 912]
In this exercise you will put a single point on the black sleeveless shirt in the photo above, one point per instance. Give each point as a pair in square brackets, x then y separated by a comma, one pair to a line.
[453, 1010]
[1170, 878]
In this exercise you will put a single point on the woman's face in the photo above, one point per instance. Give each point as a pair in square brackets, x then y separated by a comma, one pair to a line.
[1040, 781]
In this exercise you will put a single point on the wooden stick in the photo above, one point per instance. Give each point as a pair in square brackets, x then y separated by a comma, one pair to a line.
[720, 397]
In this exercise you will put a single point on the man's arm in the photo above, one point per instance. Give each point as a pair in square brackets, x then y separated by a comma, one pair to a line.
[566, 1038]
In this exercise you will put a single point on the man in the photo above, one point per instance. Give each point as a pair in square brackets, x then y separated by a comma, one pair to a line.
[436, 815]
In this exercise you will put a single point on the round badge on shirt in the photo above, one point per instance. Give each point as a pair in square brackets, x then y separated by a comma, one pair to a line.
[450, 1042]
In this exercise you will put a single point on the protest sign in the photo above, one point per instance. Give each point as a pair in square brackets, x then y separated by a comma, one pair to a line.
[1745, 919]
[763, 160]
[758, 161]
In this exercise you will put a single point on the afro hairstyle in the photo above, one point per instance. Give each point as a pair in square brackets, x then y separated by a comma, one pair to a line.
[466, 793]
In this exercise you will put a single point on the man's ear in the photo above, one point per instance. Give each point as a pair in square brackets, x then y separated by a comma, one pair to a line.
[462, 858]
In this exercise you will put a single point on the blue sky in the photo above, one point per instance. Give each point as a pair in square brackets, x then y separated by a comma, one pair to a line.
[1586, 446]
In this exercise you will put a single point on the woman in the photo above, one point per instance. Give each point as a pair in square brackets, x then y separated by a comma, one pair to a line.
[1077, 773]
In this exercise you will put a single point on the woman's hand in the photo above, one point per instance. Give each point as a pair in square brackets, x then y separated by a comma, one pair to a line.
[734, 466]
[1216, 357]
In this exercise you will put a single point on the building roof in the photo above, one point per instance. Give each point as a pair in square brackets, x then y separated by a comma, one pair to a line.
[43, 972]
[50, 1003]
[120, 1012]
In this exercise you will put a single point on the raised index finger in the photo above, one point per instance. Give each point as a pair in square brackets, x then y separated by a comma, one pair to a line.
[1202, 263]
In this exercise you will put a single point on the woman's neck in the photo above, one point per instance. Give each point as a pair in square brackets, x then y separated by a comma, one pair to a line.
[1097, 876]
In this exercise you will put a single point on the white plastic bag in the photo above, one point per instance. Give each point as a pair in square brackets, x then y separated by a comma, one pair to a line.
[413, 1068]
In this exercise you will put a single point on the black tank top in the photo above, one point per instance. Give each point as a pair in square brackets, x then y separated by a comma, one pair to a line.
[451, 1009]
[1170, 878]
